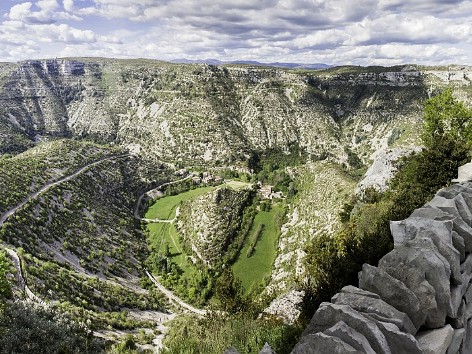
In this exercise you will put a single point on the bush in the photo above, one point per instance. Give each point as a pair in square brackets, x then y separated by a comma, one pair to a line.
[26, 328]
[333, 262]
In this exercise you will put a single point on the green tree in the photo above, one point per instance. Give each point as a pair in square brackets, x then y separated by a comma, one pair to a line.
[5, 287]
[26, 328]
[446, 118]
[229, 292]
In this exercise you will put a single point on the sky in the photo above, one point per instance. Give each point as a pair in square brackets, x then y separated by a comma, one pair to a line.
[335, 32]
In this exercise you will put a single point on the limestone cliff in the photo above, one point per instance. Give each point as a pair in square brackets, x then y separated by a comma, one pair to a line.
[207, 114]
[210, 222]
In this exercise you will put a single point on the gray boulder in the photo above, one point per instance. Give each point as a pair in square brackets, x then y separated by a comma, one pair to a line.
[462, 204]
[422, 255]
[329, 314]
[231, 350]
[349, 289]
[438, 231]
[436, 341]
[459, 245]
[405, 230]
[376, 309]
[350, 336]
[267, 349]
[459, 225]
[392, 291]
[398, 341]
[415, 280]
[466, 347]
[456, 342]
[320, 343]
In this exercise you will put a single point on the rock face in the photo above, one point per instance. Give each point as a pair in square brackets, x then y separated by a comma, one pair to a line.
[419, 298]
[209, 114]
[208, 223]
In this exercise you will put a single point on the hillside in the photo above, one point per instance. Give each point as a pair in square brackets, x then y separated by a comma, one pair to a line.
[157, 108]
[83, 139]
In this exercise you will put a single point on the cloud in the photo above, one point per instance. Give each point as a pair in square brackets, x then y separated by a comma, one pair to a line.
[333, 31]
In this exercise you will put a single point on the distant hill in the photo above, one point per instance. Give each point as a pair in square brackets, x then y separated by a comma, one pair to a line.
[315, 66]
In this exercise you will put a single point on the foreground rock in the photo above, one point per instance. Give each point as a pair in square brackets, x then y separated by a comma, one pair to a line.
[419, 298]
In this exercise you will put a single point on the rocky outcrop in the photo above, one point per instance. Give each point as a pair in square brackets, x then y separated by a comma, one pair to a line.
[418, 299]
[205, 114]
[210, 222]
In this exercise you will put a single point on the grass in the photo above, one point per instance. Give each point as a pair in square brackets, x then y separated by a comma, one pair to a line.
[251, 271]
[165, 233]
[164, 208]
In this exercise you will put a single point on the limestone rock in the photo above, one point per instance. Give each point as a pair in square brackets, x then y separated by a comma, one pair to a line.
[456, 342]
[464, 173]
[328, 315]
[466, 347]
[459, 245]
[405, 230]
[350, 336]
[422, 255]
[415, 280]
[392, 291]
[320, 343]
[436, 341]
[287, 307]
[377, 309]
[439, 232]
[349, 289]
[267, 349]
[459, 226]
[398, 341]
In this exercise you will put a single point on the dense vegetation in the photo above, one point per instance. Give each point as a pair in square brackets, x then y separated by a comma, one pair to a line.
[333, 262]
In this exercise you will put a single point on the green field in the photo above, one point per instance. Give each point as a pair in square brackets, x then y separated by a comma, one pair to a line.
[164, 208]
[165, 233]
[251, 271]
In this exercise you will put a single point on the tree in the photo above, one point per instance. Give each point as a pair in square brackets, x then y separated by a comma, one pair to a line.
[229, 292]
[5, 288]
[445, 118]
[26, 328]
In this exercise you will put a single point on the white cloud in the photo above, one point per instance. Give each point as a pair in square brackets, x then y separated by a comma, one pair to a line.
[334, 31]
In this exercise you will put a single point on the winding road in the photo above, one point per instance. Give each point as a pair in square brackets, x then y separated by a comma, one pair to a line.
[4, 217]
[16, 260]
[169, 294]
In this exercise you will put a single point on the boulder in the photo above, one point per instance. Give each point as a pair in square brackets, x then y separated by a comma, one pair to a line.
[267, 349]
[231, 350]
[458, 243]
[405, 230]
[463, 207]
[459, 225]
[446, 250]
[439, 232]
[466, 347]
[435, 341]
[423, 255]
[464, 173]
[466, 266]
[349, 289]
[377, 309]
[392, 291]
[456, 342]
[398, 341]
[329, 314]
[415, 280]
[320, 343]
[350, 336]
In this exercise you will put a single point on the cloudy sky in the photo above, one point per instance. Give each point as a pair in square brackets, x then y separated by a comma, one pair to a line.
[359, 32]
